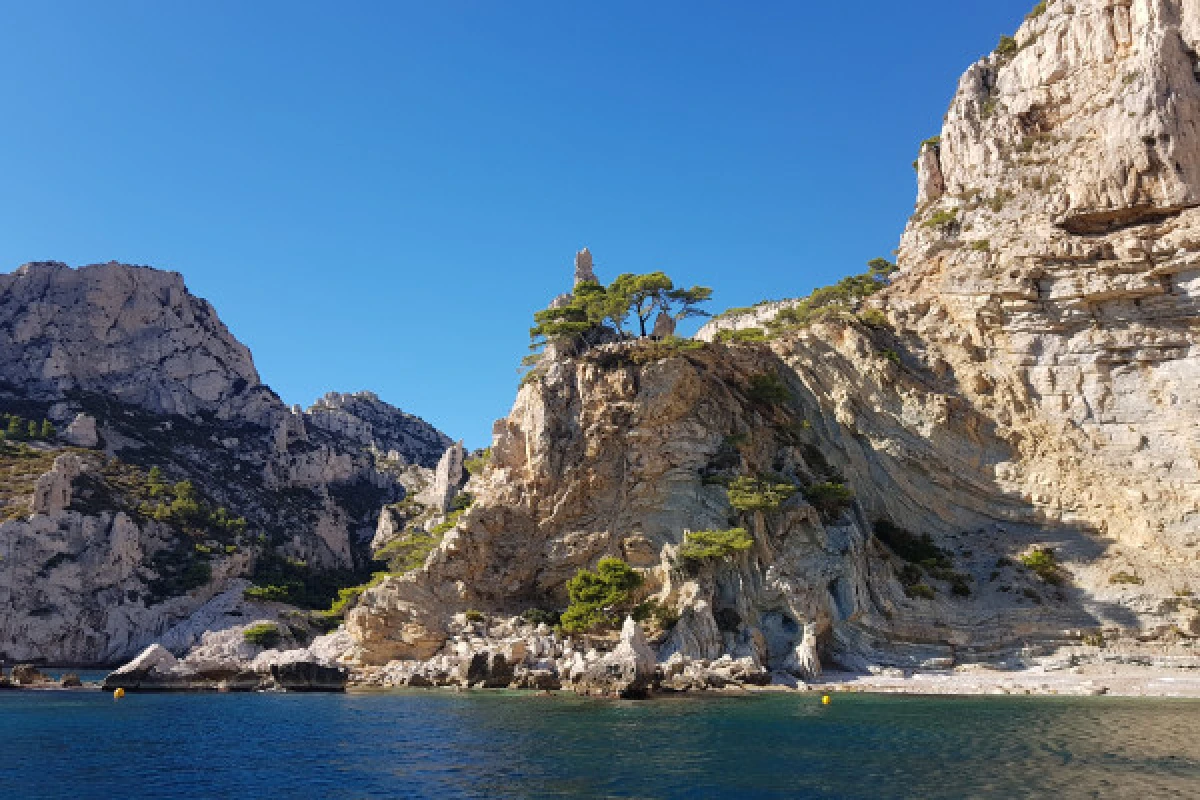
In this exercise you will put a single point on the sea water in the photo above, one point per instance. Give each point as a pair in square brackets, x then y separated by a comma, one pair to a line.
[85, 744]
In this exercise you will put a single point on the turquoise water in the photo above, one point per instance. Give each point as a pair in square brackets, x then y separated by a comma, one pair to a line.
[438, 744]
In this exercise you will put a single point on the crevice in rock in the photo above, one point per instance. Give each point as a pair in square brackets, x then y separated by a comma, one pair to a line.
[1085, 223]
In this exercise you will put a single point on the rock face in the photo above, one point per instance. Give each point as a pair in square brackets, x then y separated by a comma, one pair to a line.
[448, 478]
[130, 333]
[1005, 465]
[97, 564]
[363, 418]
[583, 267]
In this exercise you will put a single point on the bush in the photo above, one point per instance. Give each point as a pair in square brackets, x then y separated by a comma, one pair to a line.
[922, 590]
[462, 501]
[768, 389]
[473, 615]
[742, 336]
[874, 318]
[981, 246]
[911, 547]
[664, 616]
[1041, 561]
[701, 546]
[265, 635]
[1007, 46]
[941, 219]
[475, 466]
[1125, 577]
[830, 499]
[347, 596]
[841, 298]
[757, 494]
[598, 598]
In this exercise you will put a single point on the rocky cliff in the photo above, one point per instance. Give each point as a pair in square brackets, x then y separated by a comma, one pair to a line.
[167, 474]
[1015, 415]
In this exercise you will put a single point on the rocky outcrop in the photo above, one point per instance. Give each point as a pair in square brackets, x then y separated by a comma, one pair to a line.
[82, 431]
[134, 334]
[1002, 463]
[301, 670]
[627, 671]
[448, 478]
[99, 559]
[365, 419]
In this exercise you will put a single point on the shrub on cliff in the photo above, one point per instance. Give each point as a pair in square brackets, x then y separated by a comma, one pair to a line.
[699, 546]
[844, 297]
[830, 499]
[768, 390]
[1041, 561]
[264, 635]
[598, 599]
[758, 494]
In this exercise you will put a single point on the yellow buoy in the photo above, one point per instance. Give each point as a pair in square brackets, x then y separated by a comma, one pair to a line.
[118, 694]
[824, 699]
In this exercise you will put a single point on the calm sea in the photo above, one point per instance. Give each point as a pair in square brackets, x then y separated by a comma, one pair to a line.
[437, 744]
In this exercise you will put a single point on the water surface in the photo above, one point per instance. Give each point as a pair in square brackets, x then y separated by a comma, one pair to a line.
[439, 744]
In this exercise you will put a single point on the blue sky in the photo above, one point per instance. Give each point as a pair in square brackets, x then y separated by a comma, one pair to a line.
[378, 195]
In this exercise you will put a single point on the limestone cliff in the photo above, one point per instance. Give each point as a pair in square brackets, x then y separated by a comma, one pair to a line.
[1024, 394]
[174, 473]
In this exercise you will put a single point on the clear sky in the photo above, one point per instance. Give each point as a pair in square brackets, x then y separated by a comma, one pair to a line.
[378, 195]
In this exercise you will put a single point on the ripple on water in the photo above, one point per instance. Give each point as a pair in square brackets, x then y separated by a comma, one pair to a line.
[435, 744]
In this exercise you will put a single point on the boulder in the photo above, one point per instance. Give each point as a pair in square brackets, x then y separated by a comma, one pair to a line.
[28, 675]
[309, 676]
[82, 431]
[628, 671]
[70, 680]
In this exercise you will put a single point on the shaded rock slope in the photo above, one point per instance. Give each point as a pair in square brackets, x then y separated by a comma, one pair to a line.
[1023, 395]
[172, 473]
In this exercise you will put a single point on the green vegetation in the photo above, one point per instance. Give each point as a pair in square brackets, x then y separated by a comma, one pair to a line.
[462, 501]
[347, 596]
[768, 390]
[890, 354]
[909, 546]
[1041, 562]
[1125, 577]
[921, 590]
[473, 615]
[923, 556]
[758, 494]
[15, 428]
[874, 318]
[663, 616]
[1007, 47]
[289, 580]
[476, 465]
[1093, 639]
[264, 635]
[933, 141]
[650, 351]
[941, 218]
[594, 308]
[829, 498]
[1037, 11]
[742, 336]
[843, 297]
[981, 246]
[599, 598]
[181, 506]
[700, 546]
